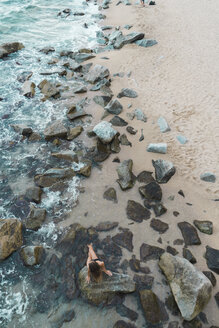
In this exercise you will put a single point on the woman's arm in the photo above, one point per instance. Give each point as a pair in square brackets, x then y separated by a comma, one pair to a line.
[108, 272]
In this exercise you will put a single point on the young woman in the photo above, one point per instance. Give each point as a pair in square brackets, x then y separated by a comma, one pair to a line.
[95, 266]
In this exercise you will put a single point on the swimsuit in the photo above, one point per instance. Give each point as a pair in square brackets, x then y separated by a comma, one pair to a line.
[96, 260]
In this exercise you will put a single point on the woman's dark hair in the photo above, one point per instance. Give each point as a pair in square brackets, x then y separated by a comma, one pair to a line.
[95, 270]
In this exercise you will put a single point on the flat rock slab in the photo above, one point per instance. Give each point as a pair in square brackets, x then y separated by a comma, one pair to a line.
[136, 212]
[204, 226]
[55, 130]
[104, 291]
[125, 174]
[152, 191]
[11, 237]
[189, 233]
[164, 170]
[190, 287]
[106, 226]
[159, 225]
[160, 148]
[124, 239]
[148, 252]
[104, 131]
[125, 92]
[212, 258]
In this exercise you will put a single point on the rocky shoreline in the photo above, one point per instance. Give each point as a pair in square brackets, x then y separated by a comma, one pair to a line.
[59, 270]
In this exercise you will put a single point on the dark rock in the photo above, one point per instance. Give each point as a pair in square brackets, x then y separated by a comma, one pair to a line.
[181, 193]
[202, 316]
[102, 100]
[75, 111]
[178, 242]
[47, 50]
[142, 136]
[145, 177]
[22, 129]
[175, 213]
[154, 310]
[125, 174]
[204, 226]
[160, 240]
[159, 226]
[130, 38]
[134, 264]
[140, 116]
[151, 191]
[97, 73]
[9, 48]
[216, 296]
[211, 277]
[143, 281]
[32, 255]
[131, 130]
[116, 160]
[124, 311]
[106, 226]
[159, 208]
[195, 323]
[189, 233]
[124, 239]
[123, 324]
[208, 177]
[172, 250]
[34, 194]
[124, 265]
[212, 258]
[124, 140]
[110, 194]
[35, 218]
[171, 305]
[173, 324]
[118, 121]
[100, 84]
[148, 252]
[55, 130]
[136, 212]
[164, 170]
[125, 92]
[146, 43]
[187, 254]
[114, 107]
[115, 148]
[65, 313]
[20, 207]
[11, 237]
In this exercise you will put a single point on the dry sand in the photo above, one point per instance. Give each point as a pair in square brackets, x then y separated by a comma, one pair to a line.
[178, 79]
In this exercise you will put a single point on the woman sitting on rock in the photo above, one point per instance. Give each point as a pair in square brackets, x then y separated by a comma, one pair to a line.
[95, 266]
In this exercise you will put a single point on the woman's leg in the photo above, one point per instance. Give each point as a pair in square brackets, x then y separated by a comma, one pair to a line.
[91, 252]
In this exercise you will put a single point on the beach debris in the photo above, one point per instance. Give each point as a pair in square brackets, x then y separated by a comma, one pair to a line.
[106, 289]
[139, 114]
[187, 254]
[55, 129]
[10, 237]
[35, 218]
[208, 177]
[104, 131]
[110, 194]
[164, 127]
[204, 226]
[151, 191]
[189, 233]
[126, 92]
[106, 226]
[118, 121]
[190, 287]
[142, 136]
[97, 73]
[145, 177]
[67, 155]
[212, 258]
[211, 277]
[183, 140]
[131, 130]
[34, 194]
[124, 239]
[148, 252]
[22, 129]
[9, 48]
[102, 100]
[114, 107]
[74, 132]
[160, 148]
[32, 255]
[164, 170]
[159, 225]
[146, 43]
[136, 212]
[124, 140]
[153, 309]
[124, 171]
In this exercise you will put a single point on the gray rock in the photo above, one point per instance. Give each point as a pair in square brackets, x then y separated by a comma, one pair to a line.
[100, 84]
[104, 131]
[106, 90]
[114, 107]
[190, 288]
[35, 218]
[160, 148]
[146, 43]
[24, 76]
[67, 155]
[145, 177]
[106, 226]
[164, 127]
[53, 175]
[55, 130]
[164, 170]
[106, 27]
[125, 174]
[187, 254]
[118, 121]
[158, 208]
[148, 252]
[102, 100]
[105, 290]
[143, 281]
[189, 233]
[171, 250]
[183, 140]
[9, 48]
[212, 258]
[22, 129]
[75, 111]
[110, 194]
[140, 115]
[28, 89]
[125, 92]
[79, 88]
[208, 177]
[114, 35]
[136, 212]
[204, 226]
[98, 16]
[152, 191]
[97, 73]
[159, 226]
[173, 324]
[32, 255]
[48, 89]
[124, 239]
[130, 38]
[124, 140]
[81, 57]
[127, 26]
[131, 130]
[34, 194]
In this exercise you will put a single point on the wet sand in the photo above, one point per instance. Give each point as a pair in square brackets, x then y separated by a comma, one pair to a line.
[178, 79]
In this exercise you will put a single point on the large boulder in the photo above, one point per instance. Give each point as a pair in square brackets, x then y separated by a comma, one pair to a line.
[32, 255]
[9, 48]
[104, 131]
[10, 237]
[190, 287]
[55, 130]
[105, 290]
[125, 174]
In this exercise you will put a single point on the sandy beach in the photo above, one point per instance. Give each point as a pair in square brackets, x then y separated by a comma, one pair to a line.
[176, 79]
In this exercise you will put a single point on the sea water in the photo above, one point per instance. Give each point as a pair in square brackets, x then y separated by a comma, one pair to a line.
[37, 24]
